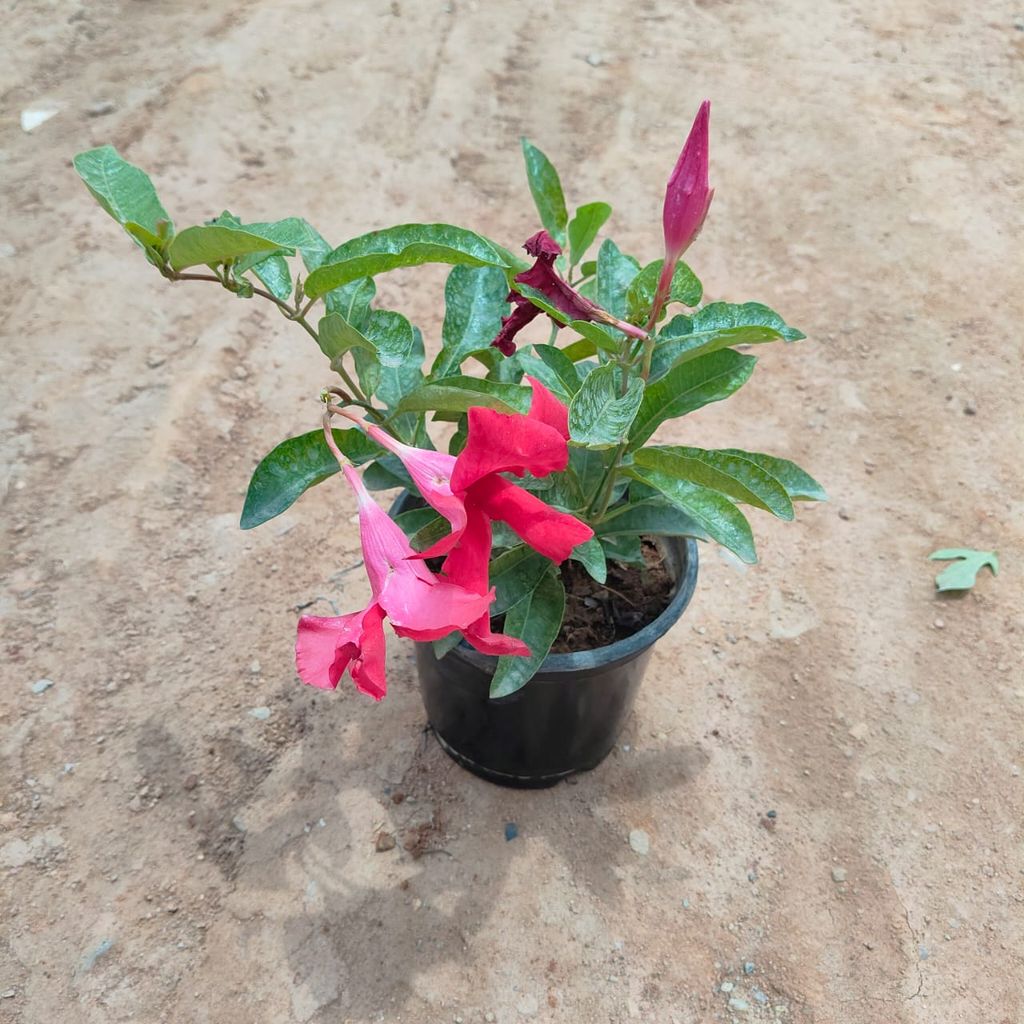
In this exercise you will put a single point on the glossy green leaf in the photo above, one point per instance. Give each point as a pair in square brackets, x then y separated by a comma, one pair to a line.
[615, 273]
[457, 394]
[640, 295]
[296, 465]
[800, 486]
[514, 574]
[583, 229]
[353, 301]
[337, 336]
[713, 512]
[413, 520]
[739, 478]
[275, 276]
[122, 189]
[591, 556]
[717, 326]
[599, 417]
[966, 564]
[214, 243]
[407, 245]
[653, 516]
[393, 338]
[623, 548]
[689, 387]
[474, 299]
[385, 474]
[553, 369]
[546, 190]
[589, 268]
[536, 620]
[607, 339]
[583, 348]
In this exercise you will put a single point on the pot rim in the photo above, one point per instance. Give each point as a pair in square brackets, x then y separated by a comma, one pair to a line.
[620, 650]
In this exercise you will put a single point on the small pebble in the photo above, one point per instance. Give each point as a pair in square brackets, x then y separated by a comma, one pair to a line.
[738, 1004]
[922, 952]
[939, 624]
[970, 409]
[254, 667]
[10, 993]
[726, 986]
[595, 60]
[772, 814]
[261, 714]
[42, 685]
[100, 108]
[511, 831]
[32, 119]
[640, 842]
[385, 841]
[839, 874]
[749, 968]
[759, 996]
[191, 781]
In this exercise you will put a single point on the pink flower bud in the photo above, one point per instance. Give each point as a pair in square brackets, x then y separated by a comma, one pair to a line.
[687, 196]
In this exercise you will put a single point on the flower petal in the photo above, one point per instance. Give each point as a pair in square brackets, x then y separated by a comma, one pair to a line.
[429, 610]
[500, 443]
[324, 646]
[687, 195]
[551, 533]
[368, 669]
[525, 312]
[545, 408]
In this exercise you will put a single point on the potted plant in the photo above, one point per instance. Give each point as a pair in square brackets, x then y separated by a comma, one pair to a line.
[549, 540]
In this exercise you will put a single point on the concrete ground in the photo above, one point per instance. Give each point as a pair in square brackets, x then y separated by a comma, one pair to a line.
[167, 856]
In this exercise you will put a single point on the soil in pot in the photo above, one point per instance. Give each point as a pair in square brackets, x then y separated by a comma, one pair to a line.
[598, 614]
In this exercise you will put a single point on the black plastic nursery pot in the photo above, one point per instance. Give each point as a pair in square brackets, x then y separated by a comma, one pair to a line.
[567, 717]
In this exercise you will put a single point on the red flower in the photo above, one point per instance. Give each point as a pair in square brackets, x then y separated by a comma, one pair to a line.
[543, 277]
[419, 604]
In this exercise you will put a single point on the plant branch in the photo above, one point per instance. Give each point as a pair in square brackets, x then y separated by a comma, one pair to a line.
[292, 313]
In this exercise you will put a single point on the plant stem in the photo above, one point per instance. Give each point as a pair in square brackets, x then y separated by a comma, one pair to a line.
[291, 313]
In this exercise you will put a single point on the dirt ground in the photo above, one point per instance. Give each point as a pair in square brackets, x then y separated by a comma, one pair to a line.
[168, 856]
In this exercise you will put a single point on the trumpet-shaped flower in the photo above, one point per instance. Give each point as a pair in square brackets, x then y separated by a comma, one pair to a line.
[544, 278]
[419, 605]
[470, 492]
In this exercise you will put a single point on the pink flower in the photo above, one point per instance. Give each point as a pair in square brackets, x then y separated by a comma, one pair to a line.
[543, 277]
[470, 492]
[419, 604]
[687, 198]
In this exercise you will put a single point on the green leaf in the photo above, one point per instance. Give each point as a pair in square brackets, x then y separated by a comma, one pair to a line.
[457, 394]
[273, 272]
[514, 574]
[214, 243]
[546, 190]
[122, 189]
[589, 268]
[407, 245]
[447, 643]
[580, 349]
[474, 299]
[689, 387]
[713, 512]
[640, 296]
[732, 475]
[553, 369]
[583, 229]
[615, 273]
[337, 336]
[717, 326]
[353, 301]
[653, 516]
[601, 337]
[536, 620]
[625, 548]
[966, 564]
[800, 486]
[385, 474]
[296, 465]
[392, 337]
[590, 555]
[589, 467]
[598, 416]
[415, 519]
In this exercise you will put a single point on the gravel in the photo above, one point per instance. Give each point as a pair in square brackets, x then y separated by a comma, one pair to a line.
[42, 685]
[839, 874]
[640, 842]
